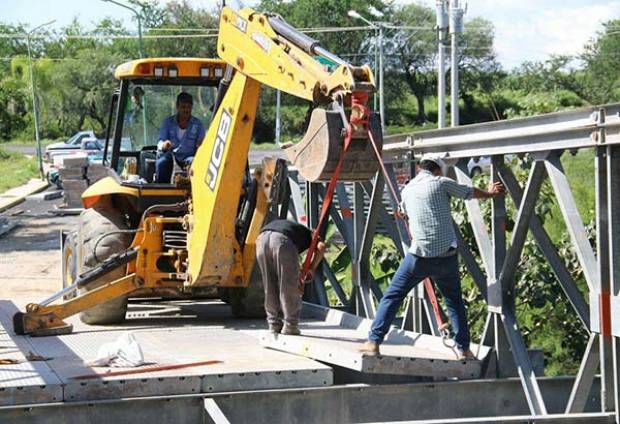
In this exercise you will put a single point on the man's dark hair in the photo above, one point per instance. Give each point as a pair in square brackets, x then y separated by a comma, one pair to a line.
[429, 166]
[184, 97]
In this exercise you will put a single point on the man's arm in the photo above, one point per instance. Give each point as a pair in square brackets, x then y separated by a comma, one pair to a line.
[318, 256]
[494, 189]
[164, 144]
[316, 260]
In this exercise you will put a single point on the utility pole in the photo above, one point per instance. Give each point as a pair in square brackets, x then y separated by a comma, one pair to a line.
[456, 28]
[442, 27]
[376, 67]
[35, 113]
[381, 103]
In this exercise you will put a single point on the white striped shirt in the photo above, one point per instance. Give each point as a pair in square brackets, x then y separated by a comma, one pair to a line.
[426, 201]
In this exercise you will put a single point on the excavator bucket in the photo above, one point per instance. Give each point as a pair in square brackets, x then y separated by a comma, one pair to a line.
[317, 154]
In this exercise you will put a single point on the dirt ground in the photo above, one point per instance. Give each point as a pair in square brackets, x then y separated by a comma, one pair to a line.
[30, 267]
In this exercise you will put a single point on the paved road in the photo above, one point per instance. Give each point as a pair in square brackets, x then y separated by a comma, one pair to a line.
[30, 264]
[20, 148]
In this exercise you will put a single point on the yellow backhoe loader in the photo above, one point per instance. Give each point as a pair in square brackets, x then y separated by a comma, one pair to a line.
[138, 238]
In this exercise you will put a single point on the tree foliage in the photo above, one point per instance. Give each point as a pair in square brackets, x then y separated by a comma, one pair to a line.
[602, 64]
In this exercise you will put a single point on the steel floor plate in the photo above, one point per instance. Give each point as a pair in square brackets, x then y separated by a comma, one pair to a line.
[245, 365]
[333, 337]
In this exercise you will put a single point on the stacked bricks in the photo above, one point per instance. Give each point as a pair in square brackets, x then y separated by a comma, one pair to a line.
[74, 179]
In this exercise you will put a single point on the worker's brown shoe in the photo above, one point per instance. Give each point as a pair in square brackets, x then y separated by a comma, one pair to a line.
[291, 330]
[467, 355]
[275, 329]
[369, 348]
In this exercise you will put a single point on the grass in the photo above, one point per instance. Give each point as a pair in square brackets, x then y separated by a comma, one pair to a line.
[17, 169]
[264, 146]
[579, 170]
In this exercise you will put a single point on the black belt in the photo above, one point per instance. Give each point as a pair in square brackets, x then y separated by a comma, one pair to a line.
[448, 253]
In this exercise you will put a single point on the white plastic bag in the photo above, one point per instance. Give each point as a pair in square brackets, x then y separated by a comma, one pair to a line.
[125, 352]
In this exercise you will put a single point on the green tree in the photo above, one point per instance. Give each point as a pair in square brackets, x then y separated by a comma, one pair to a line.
[601, 57]
[180, 18]
[413, 55]
[14, 117]
[11, 46]
[327, 13]
[85, 90]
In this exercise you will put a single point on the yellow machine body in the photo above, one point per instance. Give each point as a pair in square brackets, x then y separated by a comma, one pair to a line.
[252, 53]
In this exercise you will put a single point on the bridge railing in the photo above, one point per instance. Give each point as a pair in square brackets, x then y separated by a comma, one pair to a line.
[544, 139]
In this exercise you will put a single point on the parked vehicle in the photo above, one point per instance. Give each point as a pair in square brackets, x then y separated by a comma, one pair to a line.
[477, 166]
[82, 140]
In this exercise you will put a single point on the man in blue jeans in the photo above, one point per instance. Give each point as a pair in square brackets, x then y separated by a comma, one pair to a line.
[426, 201]
[179, 138]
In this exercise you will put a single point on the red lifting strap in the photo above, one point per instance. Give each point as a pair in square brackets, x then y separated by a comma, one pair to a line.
[358, 101]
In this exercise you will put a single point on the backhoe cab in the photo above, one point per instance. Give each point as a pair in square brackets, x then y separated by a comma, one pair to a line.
[198, 232]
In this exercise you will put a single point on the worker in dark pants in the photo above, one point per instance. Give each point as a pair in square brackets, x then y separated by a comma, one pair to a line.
[432, 254]
[278, 247]
[179, 138]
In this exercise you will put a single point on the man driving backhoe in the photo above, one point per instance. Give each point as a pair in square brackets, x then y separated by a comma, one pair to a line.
[179, 138]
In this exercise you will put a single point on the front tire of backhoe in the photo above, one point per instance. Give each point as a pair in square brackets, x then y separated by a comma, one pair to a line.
[94, 224]
[248, 302]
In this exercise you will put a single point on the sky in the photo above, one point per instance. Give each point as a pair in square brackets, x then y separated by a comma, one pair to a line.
[524, 29]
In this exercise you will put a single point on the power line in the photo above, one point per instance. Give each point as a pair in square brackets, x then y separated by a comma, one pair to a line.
[209, 33]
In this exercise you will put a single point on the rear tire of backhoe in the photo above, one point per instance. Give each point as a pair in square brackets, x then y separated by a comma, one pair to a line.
[94, 224]
[248, 302]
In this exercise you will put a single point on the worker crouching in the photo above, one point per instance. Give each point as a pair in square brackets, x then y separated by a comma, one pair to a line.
[278, 247]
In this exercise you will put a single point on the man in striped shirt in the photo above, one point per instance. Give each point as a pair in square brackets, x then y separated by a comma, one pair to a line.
[426, 201]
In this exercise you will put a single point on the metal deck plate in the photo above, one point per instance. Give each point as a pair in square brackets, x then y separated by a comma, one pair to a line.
[245, 364]
[24, 382]
[333, 337]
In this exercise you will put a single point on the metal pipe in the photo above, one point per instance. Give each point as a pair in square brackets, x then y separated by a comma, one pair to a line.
[318, 50]
[64, 292]
[301, 40]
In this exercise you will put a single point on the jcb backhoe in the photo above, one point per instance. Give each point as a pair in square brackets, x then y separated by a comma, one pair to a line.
[138, 238]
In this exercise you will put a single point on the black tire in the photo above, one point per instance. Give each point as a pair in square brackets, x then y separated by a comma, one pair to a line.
[248, 302]
[94, 224]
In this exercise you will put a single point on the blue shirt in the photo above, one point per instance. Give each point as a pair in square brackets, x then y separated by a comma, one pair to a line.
[426, 201]
[185, 147]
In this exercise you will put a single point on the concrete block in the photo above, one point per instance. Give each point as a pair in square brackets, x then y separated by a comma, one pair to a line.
[75, 161]
[72, 173]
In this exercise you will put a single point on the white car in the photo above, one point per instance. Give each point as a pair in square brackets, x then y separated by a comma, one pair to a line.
[478, 165]
[77, 142]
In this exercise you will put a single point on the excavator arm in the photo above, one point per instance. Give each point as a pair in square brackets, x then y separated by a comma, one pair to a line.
[263, 49]
[267, 49]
